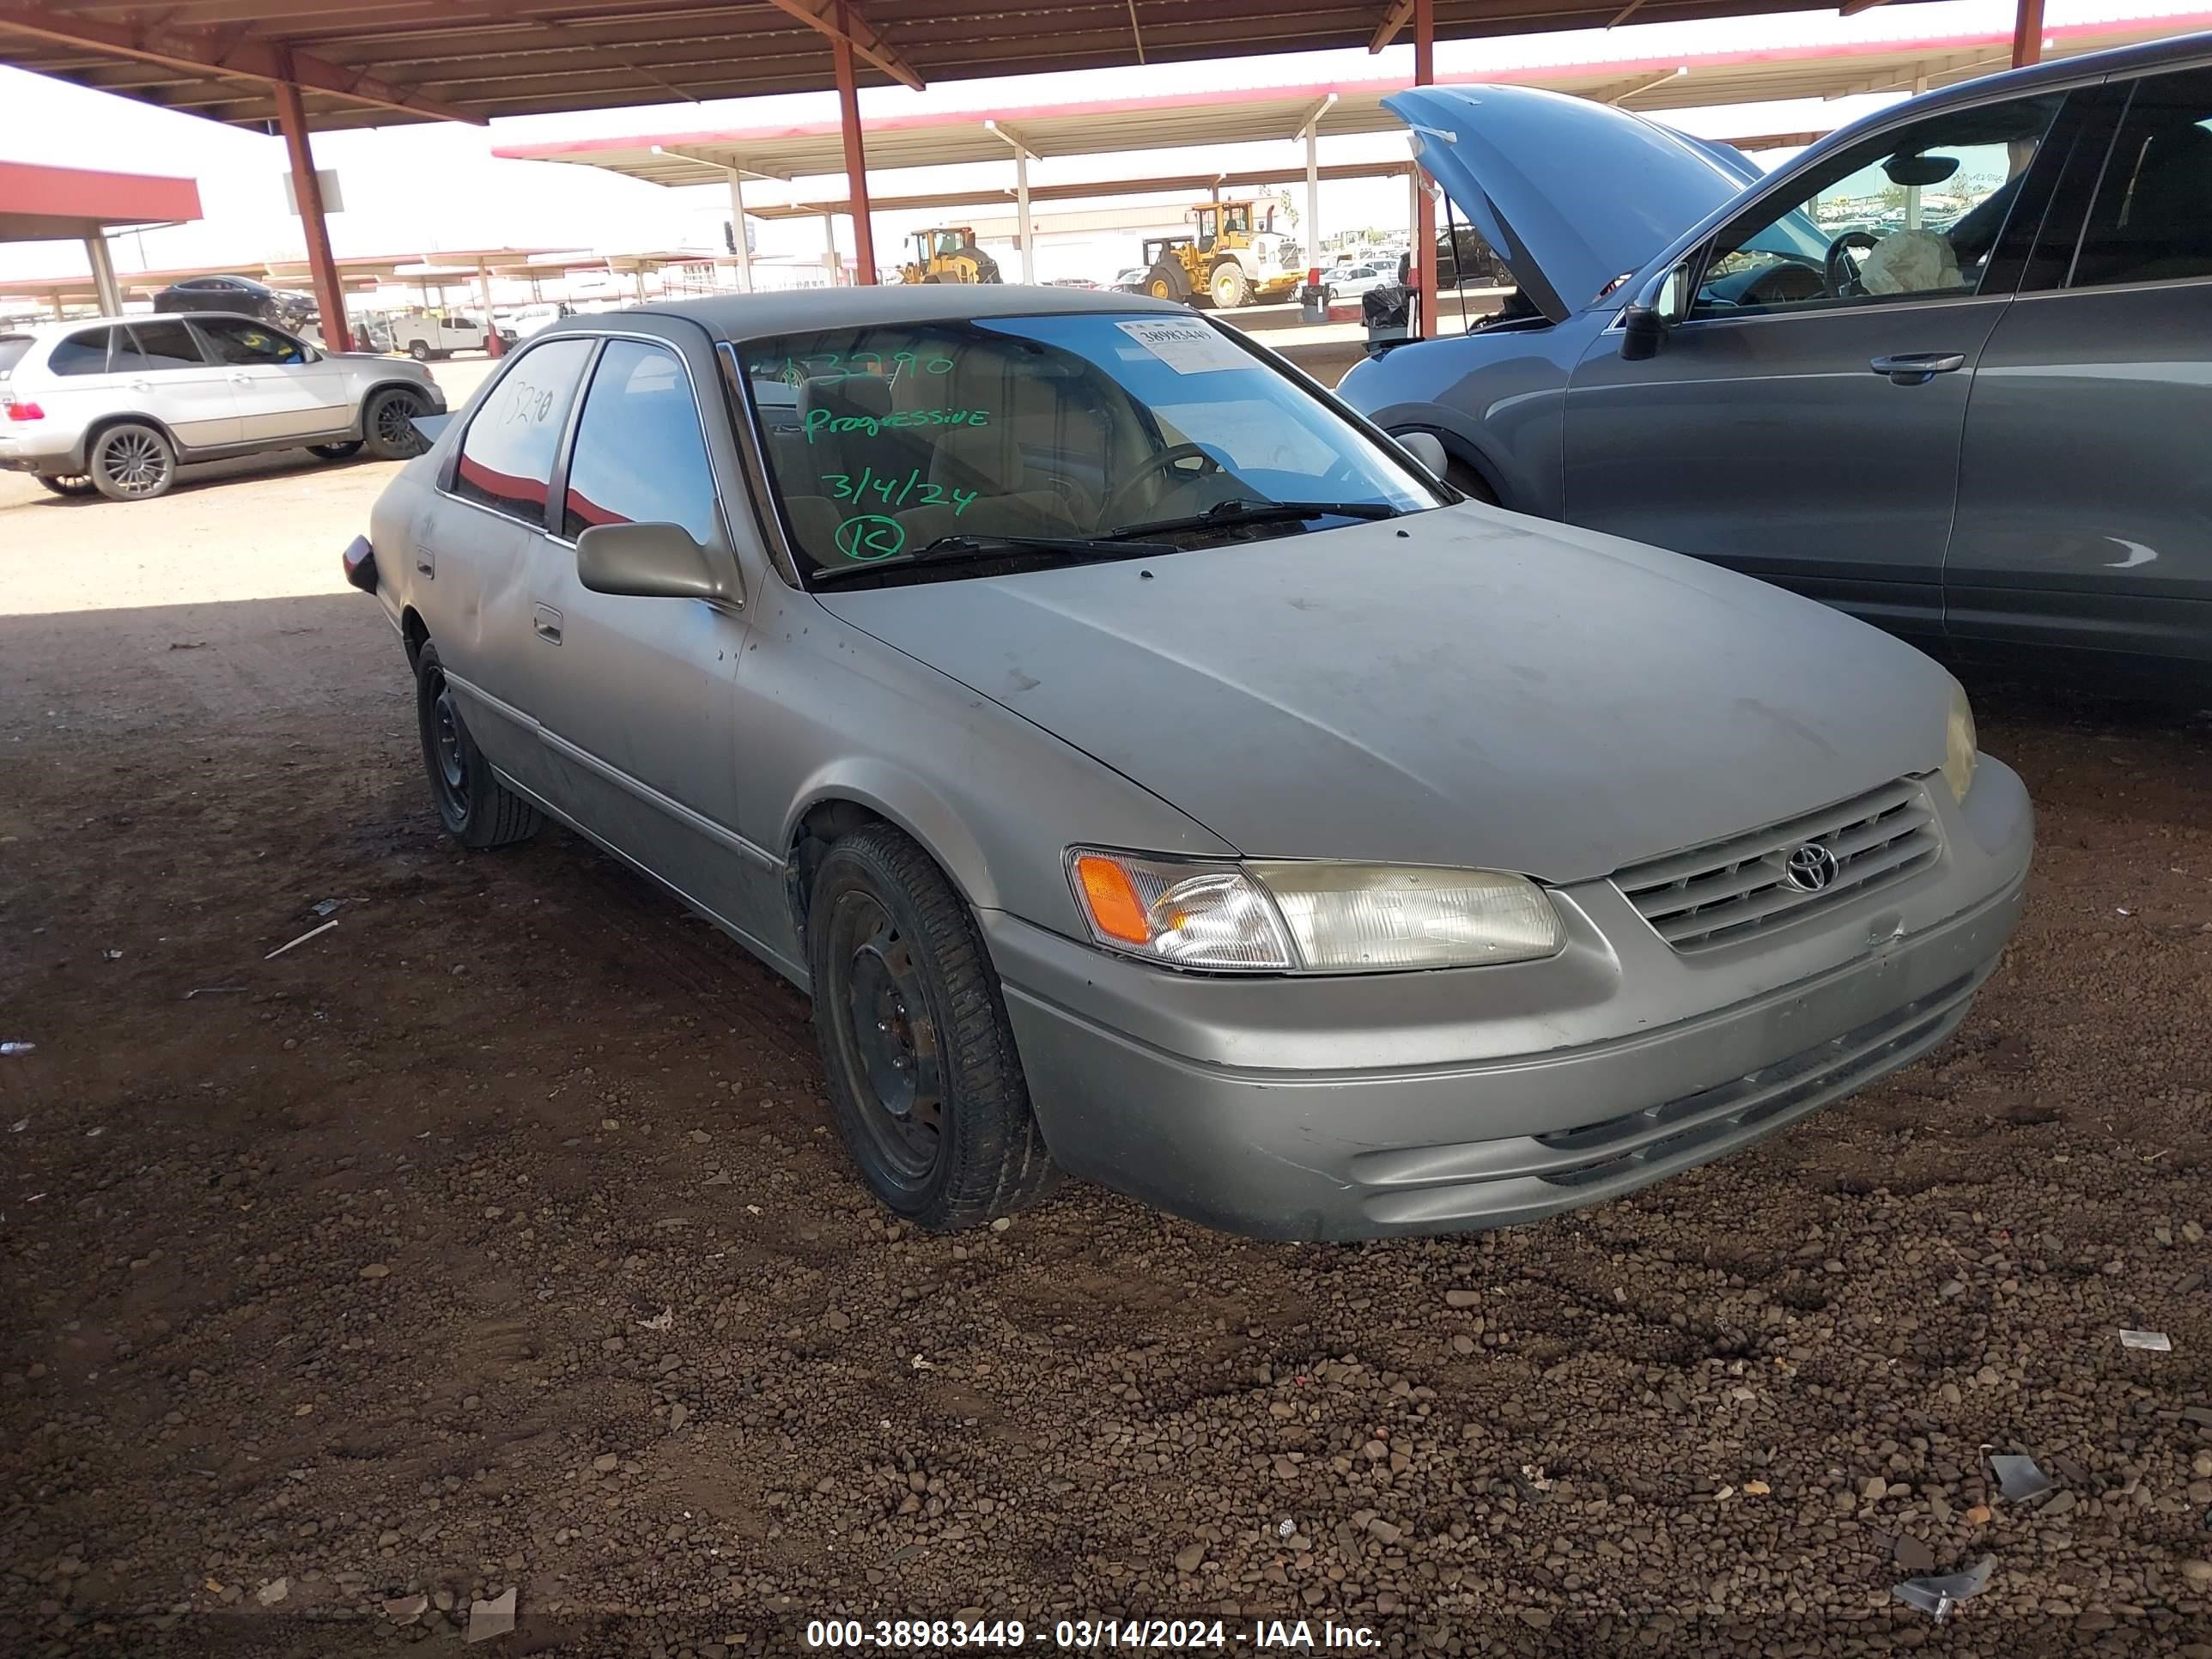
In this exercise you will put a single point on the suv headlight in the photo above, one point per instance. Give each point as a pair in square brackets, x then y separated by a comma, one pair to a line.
[1959, 747]
[1318, 917]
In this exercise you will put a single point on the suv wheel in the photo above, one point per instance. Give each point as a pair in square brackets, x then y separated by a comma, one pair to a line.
[131, 461]
[337, 452]
[68, 484]
[388, 424]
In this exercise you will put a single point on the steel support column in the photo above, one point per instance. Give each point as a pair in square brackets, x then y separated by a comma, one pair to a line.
[743, 249]
[1312, 197]
[103, 275]
[307, 192]
[493, 346]
[1424, 204]
[856, 162]
[2027, 34]
[1022, 219]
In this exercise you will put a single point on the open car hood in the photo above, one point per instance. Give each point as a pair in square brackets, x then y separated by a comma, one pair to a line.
[1571, 194]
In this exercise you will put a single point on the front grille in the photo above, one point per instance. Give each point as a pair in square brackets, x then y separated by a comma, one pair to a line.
[1726, 890]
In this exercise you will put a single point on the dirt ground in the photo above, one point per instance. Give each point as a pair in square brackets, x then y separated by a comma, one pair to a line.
[496, 1238]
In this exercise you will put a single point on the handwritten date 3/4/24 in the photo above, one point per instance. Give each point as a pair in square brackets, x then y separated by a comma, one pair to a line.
[912, 490]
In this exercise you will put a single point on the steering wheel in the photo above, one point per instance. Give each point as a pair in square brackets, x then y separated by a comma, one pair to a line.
[1173, 456]
[1841, 270]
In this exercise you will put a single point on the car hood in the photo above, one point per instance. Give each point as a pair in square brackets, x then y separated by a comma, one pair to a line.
[1485, 689]
[1572, 194]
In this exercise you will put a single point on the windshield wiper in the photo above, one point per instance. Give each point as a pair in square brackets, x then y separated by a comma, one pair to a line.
[977, 549]
[1241, 510]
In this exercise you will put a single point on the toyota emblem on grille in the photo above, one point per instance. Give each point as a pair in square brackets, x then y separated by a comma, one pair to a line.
[1811, 867]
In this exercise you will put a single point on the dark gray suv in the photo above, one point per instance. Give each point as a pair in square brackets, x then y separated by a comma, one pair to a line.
[1950, 370]
[239, 296]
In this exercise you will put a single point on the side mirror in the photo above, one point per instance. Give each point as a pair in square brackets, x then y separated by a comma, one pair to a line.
[649, 561]
[1664, 301]
[1424, 448]
[1642, 332]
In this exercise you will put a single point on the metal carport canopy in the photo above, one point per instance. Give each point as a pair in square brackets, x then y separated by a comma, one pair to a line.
[368, 63]
[1246, 115]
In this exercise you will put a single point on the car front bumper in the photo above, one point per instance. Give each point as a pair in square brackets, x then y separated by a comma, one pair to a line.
[1351, 1107]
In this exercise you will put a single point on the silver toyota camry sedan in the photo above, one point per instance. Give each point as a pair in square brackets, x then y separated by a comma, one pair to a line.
[1154, 773]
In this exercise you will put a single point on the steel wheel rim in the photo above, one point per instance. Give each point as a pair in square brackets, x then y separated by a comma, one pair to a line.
[890, 1037]
[451, 753]
[133, 462]
[393, 416]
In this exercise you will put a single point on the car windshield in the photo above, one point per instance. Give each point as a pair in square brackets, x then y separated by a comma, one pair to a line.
[889, 447]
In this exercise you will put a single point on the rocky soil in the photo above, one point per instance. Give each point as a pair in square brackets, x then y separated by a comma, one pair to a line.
[496, 1238]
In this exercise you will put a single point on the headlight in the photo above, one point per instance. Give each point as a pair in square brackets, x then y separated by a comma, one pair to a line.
[1322, 917]
[1959, 745]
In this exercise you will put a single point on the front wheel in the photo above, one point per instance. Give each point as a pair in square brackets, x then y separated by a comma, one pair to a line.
[476, 809]
[923, 1075]
[131, 461]
[337, 452]
[388, 427]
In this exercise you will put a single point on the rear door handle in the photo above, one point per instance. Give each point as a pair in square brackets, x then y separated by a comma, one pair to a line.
[547, 621]
[1917, 368]
[242, 379]
[141, 386]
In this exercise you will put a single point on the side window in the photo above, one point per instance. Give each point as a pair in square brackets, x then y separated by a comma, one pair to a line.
[640, 457]
[81, 354]
[2152, 219]
[234, 340]
[507, 457]
[1913, 213]
[148, 345]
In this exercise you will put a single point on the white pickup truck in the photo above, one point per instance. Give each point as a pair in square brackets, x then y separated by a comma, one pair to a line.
[423, 335]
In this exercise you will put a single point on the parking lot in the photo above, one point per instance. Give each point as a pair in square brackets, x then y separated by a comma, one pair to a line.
[497, 1235]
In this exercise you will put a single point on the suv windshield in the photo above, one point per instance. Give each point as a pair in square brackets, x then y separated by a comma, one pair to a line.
[1063, 436]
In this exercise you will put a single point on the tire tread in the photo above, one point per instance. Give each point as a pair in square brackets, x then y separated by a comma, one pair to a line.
[1001, 1162]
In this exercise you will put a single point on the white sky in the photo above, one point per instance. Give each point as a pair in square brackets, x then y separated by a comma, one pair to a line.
[421, 188]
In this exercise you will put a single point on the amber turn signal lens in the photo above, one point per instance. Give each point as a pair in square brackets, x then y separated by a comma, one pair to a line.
[1116, 908]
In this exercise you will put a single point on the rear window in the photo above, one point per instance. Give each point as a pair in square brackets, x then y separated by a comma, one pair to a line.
[507, 457]
[80, 354]
[12, 348]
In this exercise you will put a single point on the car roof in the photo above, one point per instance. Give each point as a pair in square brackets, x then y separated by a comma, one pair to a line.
[806, 311]
[2148, 57]
[48, 329]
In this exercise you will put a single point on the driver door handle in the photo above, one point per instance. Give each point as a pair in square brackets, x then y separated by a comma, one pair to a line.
[547, 623]
[1917, 368]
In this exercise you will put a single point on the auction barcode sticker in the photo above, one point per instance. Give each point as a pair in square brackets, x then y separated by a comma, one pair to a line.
[1191, 348]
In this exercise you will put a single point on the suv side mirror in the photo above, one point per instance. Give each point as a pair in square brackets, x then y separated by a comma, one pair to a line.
[1427, 449]
[649, 561]
[1642, 332]
[1664, 301]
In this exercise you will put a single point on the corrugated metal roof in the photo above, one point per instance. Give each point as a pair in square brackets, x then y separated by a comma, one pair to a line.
[1681, 80]
[367, 63]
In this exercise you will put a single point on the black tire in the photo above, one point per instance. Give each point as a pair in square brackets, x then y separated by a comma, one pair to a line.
[337, 452]
[1228, 287]
[388, 424]
[476, 808]
[1469, 482]
[420, 351]
[69, 483]
[923, 1075]
[932, 277]
[131, 461]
